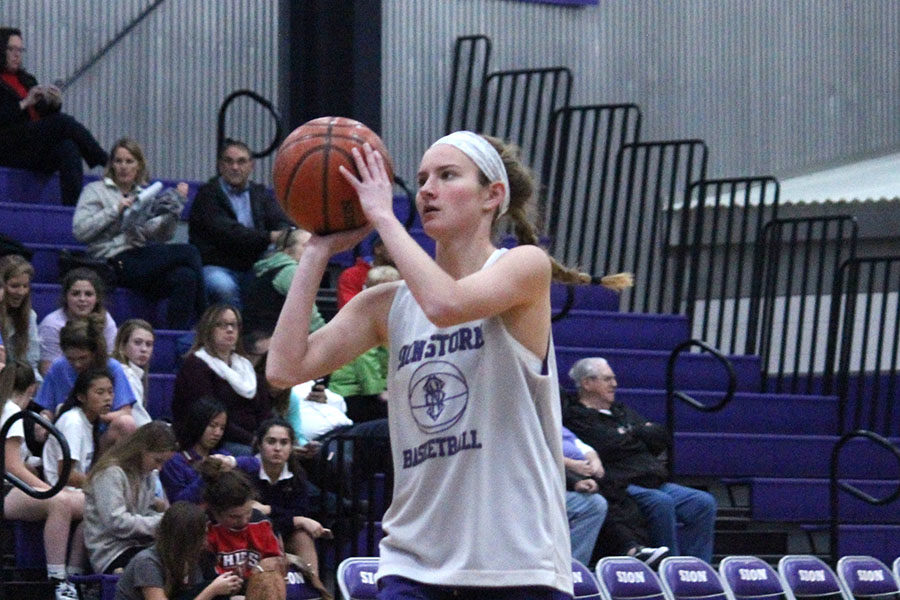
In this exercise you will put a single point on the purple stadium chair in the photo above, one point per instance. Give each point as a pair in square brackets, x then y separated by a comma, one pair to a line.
[750, 578]
[688, 578]
[627, 578]
[808, 578]
[586, 587]
[867, 577]
[356, 578]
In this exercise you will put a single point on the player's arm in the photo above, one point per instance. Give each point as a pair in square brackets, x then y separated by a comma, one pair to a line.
[296, 356]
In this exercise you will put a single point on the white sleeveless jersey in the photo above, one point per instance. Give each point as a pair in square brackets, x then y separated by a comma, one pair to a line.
[477, 452]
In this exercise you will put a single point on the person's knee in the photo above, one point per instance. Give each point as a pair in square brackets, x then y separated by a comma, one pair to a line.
[706, 504]
[220, 285]
[600, 505]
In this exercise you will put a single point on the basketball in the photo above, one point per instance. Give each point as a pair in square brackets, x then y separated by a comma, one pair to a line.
[307, 180]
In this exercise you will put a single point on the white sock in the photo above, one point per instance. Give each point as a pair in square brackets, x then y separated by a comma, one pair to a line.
[56, 572]
[75, 570]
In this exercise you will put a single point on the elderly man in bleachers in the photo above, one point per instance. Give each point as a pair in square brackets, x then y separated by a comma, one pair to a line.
[630, 449]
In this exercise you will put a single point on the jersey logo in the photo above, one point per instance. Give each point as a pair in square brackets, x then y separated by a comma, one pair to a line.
[438, 395]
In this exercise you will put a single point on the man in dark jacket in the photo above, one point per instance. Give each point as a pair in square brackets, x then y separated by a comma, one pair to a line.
[630, 448]
[34, 133]
[232, 223]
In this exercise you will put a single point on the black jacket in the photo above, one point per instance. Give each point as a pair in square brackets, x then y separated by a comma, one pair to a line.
[10, 113]
[214, 229]
[627, 445]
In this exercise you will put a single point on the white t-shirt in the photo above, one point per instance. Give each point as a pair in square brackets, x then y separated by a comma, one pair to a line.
[17, 430]
[318, 418]
[79, 433]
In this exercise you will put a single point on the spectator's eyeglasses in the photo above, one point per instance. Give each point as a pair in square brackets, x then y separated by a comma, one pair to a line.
[235, 161]
[15, 49]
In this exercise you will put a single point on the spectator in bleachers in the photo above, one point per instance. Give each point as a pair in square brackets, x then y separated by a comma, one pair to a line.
[217, 366]
[233, 221]
[17, 385]
[18, 321]
[82, 294]
[199, 432]
[133, 347]
[171, 568]
[122, 508]
[281, 488]
[79, 421]
[352, 279]
[623, 530]
[630, 448]
[84, 348]
[34, 133]
[268, 288]
[241, 536]
[135, 246]
[363, 381]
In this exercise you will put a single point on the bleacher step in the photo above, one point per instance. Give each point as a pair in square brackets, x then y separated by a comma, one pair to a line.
[804, 500]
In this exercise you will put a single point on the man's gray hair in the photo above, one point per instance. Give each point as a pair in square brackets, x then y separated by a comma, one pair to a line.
[586, 367]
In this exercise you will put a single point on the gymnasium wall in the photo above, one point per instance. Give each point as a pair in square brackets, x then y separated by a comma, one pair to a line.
[164, 81]
[774, 87]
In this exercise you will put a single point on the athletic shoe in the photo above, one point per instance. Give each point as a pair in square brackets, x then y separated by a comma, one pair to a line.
[651, 556]
[65, 591]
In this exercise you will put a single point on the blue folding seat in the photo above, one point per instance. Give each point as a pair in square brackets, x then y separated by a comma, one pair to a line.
[867, 577]
[809, 578]
[585, 586]
[627, 578]
[751, 578]
[356, 578]
[690, 578]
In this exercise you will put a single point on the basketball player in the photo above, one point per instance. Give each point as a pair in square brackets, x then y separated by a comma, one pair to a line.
[473, 409]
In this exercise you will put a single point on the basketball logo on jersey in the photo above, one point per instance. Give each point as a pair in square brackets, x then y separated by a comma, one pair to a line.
[438, 395]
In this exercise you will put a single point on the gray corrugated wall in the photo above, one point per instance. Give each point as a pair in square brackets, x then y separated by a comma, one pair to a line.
[164, 82]
[773, 86]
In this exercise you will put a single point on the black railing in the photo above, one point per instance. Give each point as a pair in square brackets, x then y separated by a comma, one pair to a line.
[836, 485]
[517, 105]
[652, 180]
[265, 103]
[868, 358]
[30, 418]
[672, 394]
[471, 56]
[800, 261]
[578, 173]
[718, 240]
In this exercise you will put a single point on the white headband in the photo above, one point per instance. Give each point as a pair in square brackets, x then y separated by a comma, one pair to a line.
[484, 155]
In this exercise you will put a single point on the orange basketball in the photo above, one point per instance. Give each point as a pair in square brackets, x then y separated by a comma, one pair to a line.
[307, 180]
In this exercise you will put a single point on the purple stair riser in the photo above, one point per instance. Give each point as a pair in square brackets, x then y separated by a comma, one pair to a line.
[122, 304]
[806, 500]
[764, 455]
[647, 368]
[880, 541]
[601, 329]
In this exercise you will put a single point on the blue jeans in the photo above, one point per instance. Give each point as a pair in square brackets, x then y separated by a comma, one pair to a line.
[672, 504]
[586, 513]
[225, 285]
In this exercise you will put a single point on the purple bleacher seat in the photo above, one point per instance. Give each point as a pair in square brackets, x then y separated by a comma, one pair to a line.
[107, 584]
[686, 577]
[867, 577]
[356, 578]
[750, 578]
[585, 586]
[627, 578]
[28, 537]
[809, 577]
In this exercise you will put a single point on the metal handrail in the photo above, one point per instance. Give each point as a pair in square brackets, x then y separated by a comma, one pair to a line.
[93, 60]
[835, 485]
[279, 127]
[29, 416]
[672, 393]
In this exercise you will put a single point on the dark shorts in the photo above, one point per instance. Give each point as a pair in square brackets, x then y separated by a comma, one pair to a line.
[393, 587]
